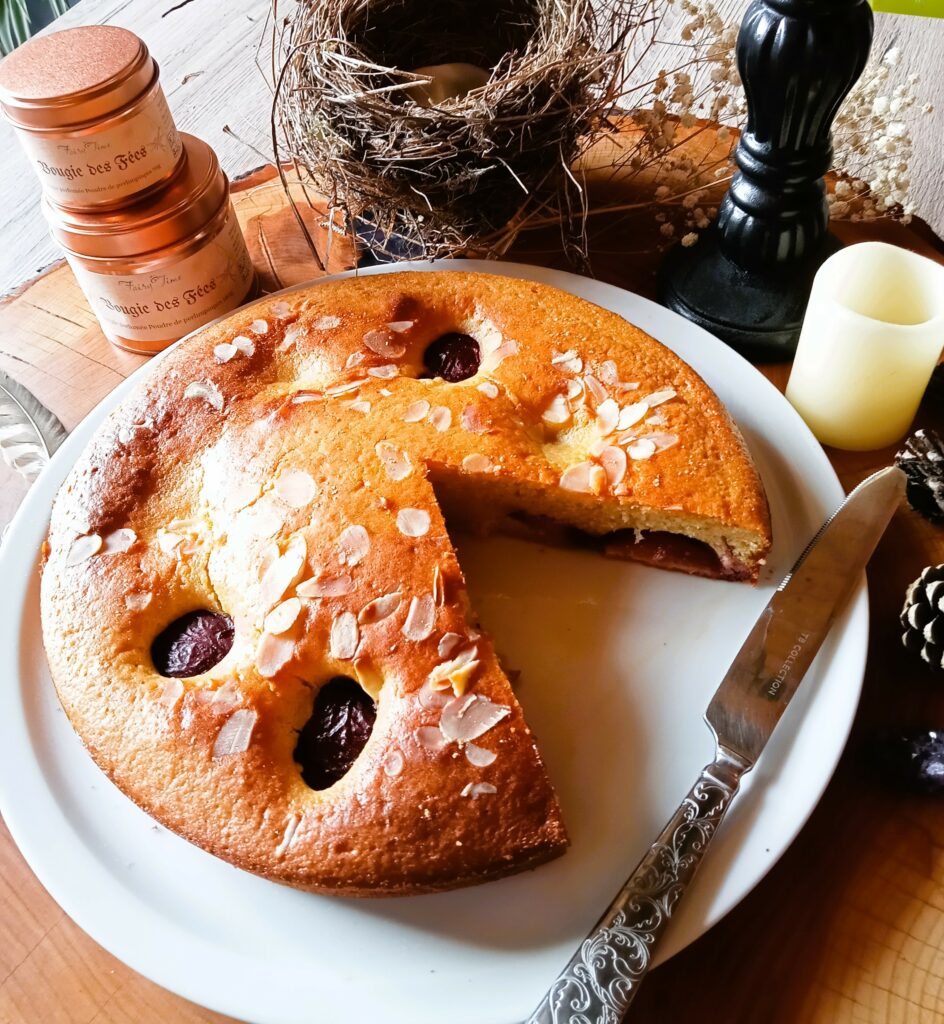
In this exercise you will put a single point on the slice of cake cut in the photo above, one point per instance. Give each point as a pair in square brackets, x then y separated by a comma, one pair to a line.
[252, 608]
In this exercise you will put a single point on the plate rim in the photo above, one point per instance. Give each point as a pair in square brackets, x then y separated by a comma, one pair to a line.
[853, 623]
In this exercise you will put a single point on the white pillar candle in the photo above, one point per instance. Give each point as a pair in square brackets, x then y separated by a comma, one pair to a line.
[873, 332]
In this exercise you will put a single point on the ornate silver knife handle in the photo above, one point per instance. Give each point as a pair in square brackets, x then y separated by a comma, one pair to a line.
[603, 976]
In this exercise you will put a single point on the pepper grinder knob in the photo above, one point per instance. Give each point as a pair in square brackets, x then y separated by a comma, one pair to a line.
[749, 277]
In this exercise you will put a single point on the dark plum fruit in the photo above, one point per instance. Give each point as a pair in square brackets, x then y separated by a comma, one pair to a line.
[192, 644]
[453, 357]
[331, 740]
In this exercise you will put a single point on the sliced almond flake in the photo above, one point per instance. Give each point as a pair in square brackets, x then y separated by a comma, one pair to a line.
[420, 618]
[206, 390]
[288, 835]
[476, 463]
[400, 326]
[558, 411]
[597, 479]
[369, 676]
[326, 586]
[568, 361]
[171, 693]
[258, 327]
[613, 460]
[353, 545]
[609, 373]
[280, 309]
[326, 323]
[384, 345]
[380, 608]
[283, 616]
[440, 417]
[413, 522]
[450, 643]
[630, 415]
[292, 333]
[358, 406]
[429, 737]
[489, 389]
[416, 412]
[223, 700]
[245, 345]
[473, 419]
[599, 447]
[236, 733]
[629, 386]
[577, 478]
[354, 359]
[466, 718]
[479, 756]
[396, 463]
[301, 397]
[386, 372]
[457, 672]
[284, 572]
[439, 587]
[393, 763]
[595, 388]
[503, 352]
[296, 487]
[641, 449]
[168, 542]
[661, 396]
[608, 414]
[386, 392]
[656, 421]
[433, 700]
[83, 548]
[477, 789]
[224, 352]
[269, 554]
[344, 636]
[343, 389]
[138, 600]
[575, 389]
[118, 541]
[661, 440]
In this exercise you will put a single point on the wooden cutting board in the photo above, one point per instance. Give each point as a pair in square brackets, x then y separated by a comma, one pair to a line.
[847, 927]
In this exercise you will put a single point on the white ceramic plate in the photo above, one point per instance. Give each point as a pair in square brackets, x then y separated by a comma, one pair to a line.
[618, 663]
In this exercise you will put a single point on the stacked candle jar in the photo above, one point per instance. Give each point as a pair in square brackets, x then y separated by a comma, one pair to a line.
[142, 212]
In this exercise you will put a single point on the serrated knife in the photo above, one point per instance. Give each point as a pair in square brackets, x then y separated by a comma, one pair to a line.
[604, 975]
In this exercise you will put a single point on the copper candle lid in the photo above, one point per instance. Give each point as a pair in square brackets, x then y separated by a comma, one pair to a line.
[177, 212]
[71, 77]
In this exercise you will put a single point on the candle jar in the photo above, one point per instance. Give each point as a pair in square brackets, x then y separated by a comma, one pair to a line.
[872, 335]
[89, 110]
[154, 271]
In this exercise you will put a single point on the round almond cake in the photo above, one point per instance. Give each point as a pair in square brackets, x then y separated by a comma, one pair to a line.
[252, 609]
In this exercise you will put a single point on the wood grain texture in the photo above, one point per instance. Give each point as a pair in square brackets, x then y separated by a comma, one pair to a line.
[208, 54]
[848, 928]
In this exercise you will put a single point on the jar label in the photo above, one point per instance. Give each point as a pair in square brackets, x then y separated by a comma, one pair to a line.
[158, 305]
[105, 166]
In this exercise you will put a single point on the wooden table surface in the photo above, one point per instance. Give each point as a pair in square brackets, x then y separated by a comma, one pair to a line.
[848, 928]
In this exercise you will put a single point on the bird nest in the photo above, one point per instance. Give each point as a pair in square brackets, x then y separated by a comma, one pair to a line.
[426, 178]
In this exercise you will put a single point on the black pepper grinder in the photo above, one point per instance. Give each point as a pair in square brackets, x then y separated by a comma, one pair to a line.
[748, 278]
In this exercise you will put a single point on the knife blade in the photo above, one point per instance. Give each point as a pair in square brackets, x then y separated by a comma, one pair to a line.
[779, 649]
[602, 978]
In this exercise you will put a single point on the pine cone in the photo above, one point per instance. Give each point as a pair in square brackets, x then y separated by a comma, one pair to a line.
[922, 617]
[922, 459]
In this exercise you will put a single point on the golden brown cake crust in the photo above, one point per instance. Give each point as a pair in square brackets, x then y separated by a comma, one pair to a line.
[315, 426]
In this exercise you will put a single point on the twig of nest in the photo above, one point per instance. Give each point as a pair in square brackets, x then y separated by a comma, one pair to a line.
[443, 126]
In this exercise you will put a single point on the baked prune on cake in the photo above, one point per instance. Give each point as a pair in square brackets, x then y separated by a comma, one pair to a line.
[252, 608]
